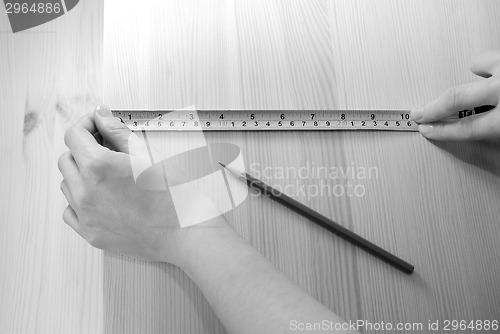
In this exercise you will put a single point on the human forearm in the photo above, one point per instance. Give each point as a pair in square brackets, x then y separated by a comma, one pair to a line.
[113, 211]
[247, 292]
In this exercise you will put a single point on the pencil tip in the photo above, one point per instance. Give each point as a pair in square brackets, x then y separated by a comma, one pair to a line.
[220, 163]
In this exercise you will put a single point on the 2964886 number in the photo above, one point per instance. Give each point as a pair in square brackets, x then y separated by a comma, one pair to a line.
[35, 8]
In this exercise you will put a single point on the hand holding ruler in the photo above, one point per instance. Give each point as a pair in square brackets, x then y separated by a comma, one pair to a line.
[268, 120]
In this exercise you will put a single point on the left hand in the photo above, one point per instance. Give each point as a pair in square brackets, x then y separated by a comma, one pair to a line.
[106, 205]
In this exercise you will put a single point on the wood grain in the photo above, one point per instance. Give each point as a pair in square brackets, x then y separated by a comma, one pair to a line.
[51, 280]
[347, 54]
[434, 204]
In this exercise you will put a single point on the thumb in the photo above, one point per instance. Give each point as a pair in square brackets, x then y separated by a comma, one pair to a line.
[118, 137]
[115, 134]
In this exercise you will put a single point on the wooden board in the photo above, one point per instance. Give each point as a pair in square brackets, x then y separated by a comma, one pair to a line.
[51, 280]
[434, 204]
[346, 54]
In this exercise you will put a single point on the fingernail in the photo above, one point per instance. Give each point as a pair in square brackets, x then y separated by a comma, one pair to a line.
[417, 114]
[425, 129]
[103, 111]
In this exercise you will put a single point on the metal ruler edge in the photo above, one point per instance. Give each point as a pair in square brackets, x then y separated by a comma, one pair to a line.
[271, 120]
[265, 120]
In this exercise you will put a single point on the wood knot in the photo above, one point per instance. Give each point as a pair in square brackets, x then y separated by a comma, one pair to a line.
[30, 122]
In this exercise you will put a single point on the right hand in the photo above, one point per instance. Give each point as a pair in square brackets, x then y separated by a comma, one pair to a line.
[432, 116]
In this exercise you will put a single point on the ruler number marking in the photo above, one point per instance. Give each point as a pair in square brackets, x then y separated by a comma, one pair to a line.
[268, 120]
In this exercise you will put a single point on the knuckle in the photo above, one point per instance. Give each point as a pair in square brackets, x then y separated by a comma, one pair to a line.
[66, 216]
[494, 86]
[67, 134]
[69, 218]
[95, 241]
[477, 59]
[60, 162]
[114, 124]
[89, 226]
[95, 163]
[494, 55]
[62, 158]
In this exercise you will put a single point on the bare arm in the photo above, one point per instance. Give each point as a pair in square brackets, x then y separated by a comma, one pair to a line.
[111, 211]
[247, 292]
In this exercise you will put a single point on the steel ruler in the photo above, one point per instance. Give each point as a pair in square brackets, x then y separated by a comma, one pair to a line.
[269, 120]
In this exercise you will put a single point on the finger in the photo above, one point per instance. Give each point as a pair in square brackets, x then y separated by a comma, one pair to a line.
[68, 167]
[118, 136]
[67, 193]
[65, 190]
[486, 64]
[113, 131]
[81, 141]
[71, 219]
[482, 126]
[467, 96]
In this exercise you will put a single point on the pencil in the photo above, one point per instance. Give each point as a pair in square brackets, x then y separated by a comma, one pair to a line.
[322, 221]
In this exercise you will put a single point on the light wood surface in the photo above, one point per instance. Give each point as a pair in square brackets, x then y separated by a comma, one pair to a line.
[433, 204]
[50, 280]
